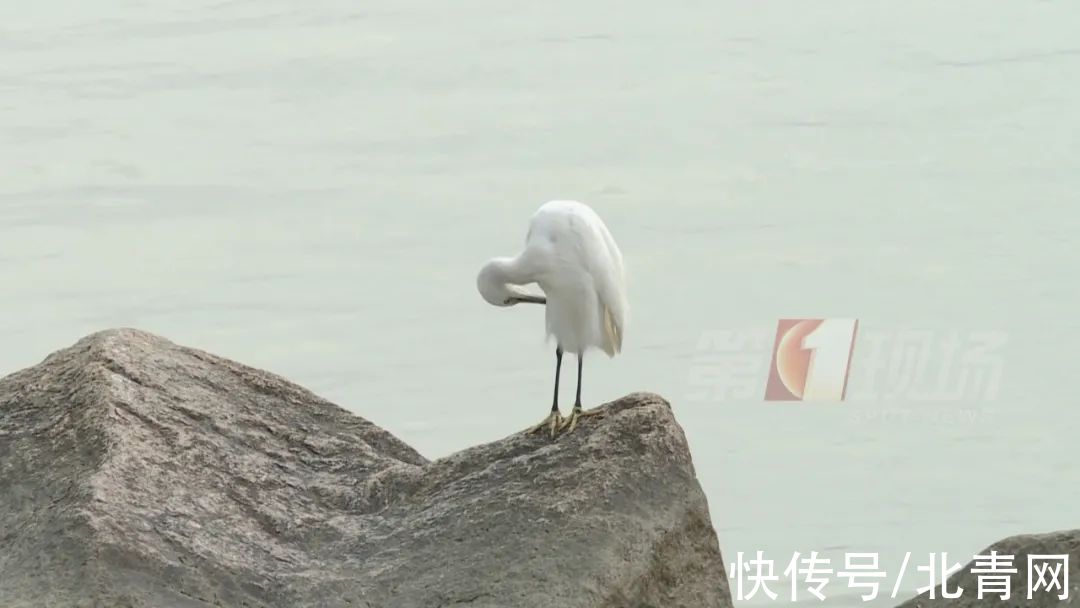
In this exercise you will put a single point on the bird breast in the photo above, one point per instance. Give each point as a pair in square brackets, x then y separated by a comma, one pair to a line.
[572, 314]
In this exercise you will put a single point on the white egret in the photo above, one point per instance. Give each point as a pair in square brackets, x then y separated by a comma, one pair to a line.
[572, 256]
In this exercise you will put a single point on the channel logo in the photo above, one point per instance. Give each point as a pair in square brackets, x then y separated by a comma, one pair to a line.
[811, 359]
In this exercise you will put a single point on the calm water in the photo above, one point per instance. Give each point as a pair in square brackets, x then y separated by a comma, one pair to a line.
[312, 188]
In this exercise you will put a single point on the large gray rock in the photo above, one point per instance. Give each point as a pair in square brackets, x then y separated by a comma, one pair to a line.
[135, 472]
[1055, 543]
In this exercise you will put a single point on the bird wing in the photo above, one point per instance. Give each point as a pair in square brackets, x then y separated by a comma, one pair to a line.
[605, 263]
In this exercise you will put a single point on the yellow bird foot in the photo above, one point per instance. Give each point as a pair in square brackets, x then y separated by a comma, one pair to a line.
[570, 422]
[552, 423]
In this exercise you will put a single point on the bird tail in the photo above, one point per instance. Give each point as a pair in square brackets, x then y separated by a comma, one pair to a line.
[612, 334]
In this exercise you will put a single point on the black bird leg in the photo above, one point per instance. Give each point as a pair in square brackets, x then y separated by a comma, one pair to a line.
[558, 368]
[577, 399]
[554, 420]
[577, 412]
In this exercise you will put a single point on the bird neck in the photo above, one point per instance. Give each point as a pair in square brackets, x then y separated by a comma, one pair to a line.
[499, 274]
[511, 271]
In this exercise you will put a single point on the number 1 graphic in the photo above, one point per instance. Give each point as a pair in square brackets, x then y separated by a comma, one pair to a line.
[830, 345]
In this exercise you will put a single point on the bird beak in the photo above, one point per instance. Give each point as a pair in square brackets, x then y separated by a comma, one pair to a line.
[529, 299]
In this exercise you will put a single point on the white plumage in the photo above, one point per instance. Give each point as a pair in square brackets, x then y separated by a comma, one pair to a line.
[571, 255]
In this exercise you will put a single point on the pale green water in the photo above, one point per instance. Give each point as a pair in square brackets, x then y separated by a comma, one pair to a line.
[311, 189]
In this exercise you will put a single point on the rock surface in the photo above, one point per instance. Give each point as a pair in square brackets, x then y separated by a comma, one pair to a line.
[1055, 543]
[135, 472]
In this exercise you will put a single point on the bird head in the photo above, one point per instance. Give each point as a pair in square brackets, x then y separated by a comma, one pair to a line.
[494, 288]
